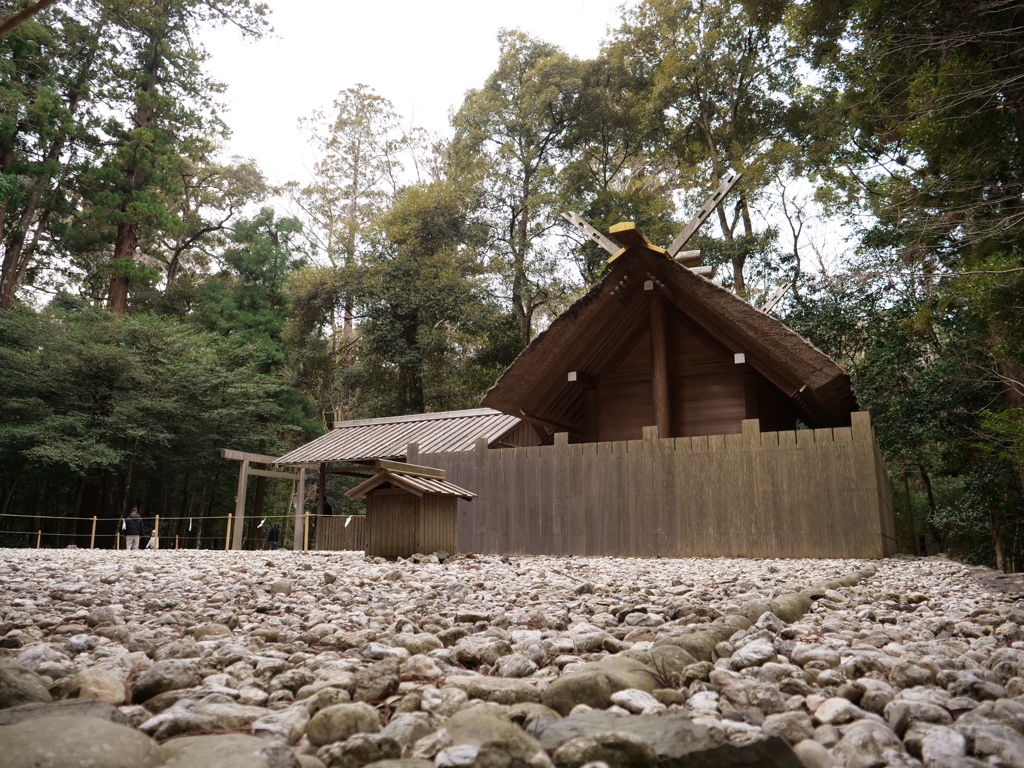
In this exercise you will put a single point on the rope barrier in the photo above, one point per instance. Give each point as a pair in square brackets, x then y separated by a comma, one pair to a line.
[194, 517]
[308, 520]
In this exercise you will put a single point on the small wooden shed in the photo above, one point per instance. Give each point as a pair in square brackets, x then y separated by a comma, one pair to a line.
[410, 509]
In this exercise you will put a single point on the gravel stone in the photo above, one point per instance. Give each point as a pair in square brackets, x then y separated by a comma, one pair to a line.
[484, 660]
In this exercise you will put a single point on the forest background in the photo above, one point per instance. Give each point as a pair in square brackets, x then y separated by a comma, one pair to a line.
[160, 301]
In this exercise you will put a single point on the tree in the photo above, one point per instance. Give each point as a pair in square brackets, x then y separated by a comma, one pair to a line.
[357, 174]
[355, 177]
[125, 403]
[209, 197]
[167, 120]
[246, 301]
[15, 20]
[614, 170]
[921, 366]
[50, 91]
[721, 78]
[509, 137]
[423, 306]
[934, 96]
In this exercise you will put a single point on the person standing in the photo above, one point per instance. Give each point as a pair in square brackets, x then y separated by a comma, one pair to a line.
[132, 529]
[273, 535]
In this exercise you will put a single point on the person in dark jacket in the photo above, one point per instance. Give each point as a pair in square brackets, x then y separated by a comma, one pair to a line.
[132, 529]
[273, 535]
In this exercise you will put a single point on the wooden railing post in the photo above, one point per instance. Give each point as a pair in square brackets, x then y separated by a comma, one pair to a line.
[227, 535]
[39, 538]
[175, 541]
[92, 536]
[117, 539]
[305, 535]
[156, 533]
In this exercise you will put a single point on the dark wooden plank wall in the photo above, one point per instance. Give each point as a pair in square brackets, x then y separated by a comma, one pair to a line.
[437, 525]
[710, 394]
[333, 535]
[523, 435]
[807, 493]
[391, 522]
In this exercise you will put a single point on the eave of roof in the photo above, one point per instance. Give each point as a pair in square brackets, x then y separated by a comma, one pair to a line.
[389, 437]
[415, 484]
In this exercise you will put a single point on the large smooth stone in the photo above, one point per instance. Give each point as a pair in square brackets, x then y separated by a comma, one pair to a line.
[502, 690]
[791, 607]
[76, 742]
[615, 748]
[92, 683]
[233, 750]
[20, 685]
[166, 675]
[341, 721]
[679, 742]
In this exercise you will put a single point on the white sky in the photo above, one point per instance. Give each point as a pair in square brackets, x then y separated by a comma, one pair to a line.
[423, 56]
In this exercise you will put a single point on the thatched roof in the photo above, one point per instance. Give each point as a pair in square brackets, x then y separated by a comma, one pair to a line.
[818, 387]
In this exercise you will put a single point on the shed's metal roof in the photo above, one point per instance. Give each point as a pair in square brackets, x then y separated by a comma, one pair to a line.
[388, 437]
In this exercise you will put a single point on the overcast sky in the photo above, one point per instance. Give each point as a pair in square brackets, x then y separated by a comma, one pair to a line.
[423, 56]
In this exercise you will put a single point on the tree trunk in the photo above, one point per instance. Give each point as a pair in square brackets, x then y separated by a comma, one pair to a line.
[127, 239]
[10, 494]
[997, 536]
[932, 510]
[37, 521]
[128, 479]
[910, 510]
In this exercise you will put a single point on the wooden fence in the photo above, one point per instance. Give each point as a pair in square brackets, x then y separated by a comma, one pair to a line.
[807, 493]
[341, 532]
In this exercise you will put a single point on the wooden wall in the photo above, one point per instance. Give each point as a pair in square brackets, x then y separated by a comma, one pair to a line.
[710, 393]
[437, 528]
[400, 524]
[808, 493]
[334, 535]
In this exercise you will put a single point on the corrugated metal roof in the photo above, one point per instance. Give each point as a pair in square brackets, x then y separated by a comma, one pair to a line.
[430, 485]
[415, 483]
[445, 432]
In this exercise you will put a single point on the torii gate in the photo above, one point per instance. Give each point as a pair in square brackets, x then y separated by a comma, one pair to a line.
[294, 472]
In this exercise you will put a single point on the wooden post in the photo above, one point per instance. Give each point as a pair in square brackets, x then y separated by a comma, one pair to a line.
[92, 536]
[321, 497]
[39, 538]
[175, 541]
[117, 539]
[302, 505]
[750, 429]
[227, 535]
[156, 533]
[305, 540]
[591, 419]
[243, 479]
[659, 368]
[297, 537]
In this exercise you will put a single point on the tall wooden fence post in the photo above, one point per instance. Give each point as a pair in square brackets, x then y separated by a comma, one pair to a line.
[243, 479]
[39, 538]
[227, 535]
[92, 536]
[117, 539]
[175, 541]
[156, 533]
[305, 540]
